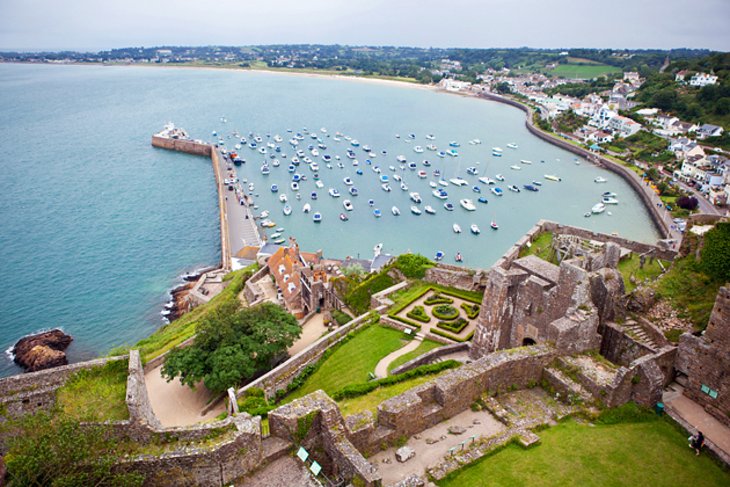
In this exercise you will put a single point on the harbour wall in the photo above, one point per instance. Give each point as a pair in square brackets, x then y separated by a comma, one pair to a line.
[182, 145]
[650, 201]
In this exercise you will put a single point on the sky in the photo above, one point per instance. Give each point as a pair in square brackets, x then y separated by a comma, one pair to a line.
[104, 24]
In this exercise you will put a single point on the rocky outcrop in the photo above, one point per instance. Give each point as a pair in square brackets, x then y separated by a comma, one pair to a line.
[42, 351]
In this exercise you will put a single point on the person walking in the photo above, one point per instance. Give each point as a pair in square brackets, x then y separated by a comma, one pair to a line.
[697, 442]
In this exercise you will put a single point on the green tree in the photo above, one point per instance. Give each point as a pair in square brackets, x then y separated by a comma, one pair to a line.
[413, 265]
[716, 252]
[233, 344]
[503, 88]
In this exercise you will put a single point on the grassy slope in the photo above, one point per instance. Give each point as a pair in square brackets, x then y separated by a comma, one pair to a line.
[583, 71]
[96, 394]
[541, 247]
[572, 454]
[425, 346]
[630, 266]
[351, 363]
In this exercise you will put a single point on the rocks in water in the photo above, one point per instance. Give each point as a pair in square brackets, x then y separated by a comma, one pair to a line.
[404, 453]
[457, 430]
[42, 350]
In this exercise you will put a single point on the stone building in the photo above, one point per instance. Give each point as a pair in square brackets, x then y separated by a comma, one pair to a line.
[703, 362]
[531, 301]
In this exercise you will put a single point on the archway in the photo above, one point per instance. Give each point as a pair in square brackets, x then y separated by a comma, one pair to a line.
[527, 341]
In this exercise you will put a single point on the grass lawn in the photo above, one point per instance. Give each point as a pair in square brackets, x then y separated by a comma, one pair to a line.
[541, 247]
[571, 454]
[425, 346]
[351, 363]
[583, 71]
[96, 394]
[371, 400]
[630, 266]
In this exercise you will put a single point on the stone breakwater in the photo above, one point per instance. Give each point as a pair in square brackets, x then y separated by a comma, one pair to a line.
[661, 219]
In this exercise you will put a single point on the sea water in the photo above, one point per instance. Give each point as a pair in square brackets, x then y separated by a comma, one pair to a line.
[97, 225]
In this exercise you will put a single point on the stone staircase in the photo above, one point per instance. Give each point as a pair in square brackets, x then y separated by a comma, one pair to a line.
[636, 331]
[570, 391]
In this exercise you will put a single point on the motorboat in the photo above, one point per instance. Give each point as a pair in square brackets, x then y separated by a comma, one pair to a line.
[487, 180]
[513, 188]
[439, 256]
[552, 177]
[412, 166]
[448, 206]
[515, 167]
[467, 204]
[499, 177]
[265, 170]
[334, 193]
[275, 235]
[476, 189]
[395, 211]
[415, 197]
[264, 214]
[497, 191]
[377, 213]
[403, 186]
[319, 184]
[401, 159]
[422, 174]
[456, 227]
[286, 210]
[453, 143]
[475, 229]
[598, 208]
[386, 187]
[283, 198]
[530, 187]
[452, 153]
[609, 194]
[433, 184]
[494, 225]
[512, 145]
[429, 209]
[313, 195]
[525, 161]
[483, 200]
[348, 205]
[344, 217]
[472, 170]
[431, 147]
[440, 193]
[397, 177]
[415, 210]
[353, 191]
[458, 181]
[599, 179]
[441, 154]
[294, 186]
[609, 200]
[306, 208]
[426, 163]
[268, 224]
[371, 203]
[418, 149]
[348, 181]
[430, 137]
[384, 178]
[537, 183]
[443, 183]
[496, 152]
[274, 188]
[317, 217]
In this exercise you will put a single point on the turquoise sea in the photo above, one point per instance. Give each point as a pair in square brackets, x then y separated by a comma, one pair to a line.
[96, 225]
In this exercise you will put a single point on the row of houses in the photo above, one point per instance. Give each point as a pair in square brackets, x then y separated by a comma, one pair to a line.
[697, 79]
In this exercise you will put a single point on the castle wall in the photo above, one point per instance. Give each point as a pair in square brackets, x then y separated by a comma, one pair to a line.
[182, 145]
[454, 276]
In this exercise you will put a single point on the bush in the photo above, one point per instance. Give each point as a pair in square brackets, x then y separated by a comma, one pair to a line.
[341, 317]
[716, 252]
[471, 310]
[438, 298]
[255, 405]
[413, 266]
[455, 338]
[405, 321]
[673, 334]
[688, 203]
[418, 313]
[445, 312]
[358, 300]
[454, 326]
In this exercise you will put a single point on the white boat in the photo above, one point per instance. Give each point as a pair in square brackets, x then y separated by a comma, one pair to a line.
[456, 227]
[418, 149]
[283, 198]
[610, 194]
[474, 229]
[433, 184]
[552, 177]
[448, 206]
[317, 217]
[497, 191]
[353, 191]
[429, 209]
[378, 249]
[515, 167]
[513, 188]
[458, 182]
[599, 179]
[401, 159]
[306, 208]
[486, 180]
[348, 182]
[294, 186]
[499, 177]
[443, 183]
[348, 205]
[319, 184]
[415, 210]
[422, 174]
[264, 214]
[609, 200]
[524, 161]
[395, 211]
[440, 193]
[334, 193]
[431, 147]
[598, 208]
[415, 197]
[275, 235]
[467, 204]
[403, 186]
[386, 187]
[287, 210]
[512, 145]
[430, 137]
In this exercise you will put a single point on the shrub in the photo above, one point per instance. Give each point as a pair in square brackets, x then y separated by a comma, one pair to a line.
[438, 298]
[445, 312]
[254, 405]
[688, 202]
[454, 326]
[471, 310]
[405, 321]
[418, 313]
[412, 266]
[341, 317]
[455, 338]
[716, 252]
[358, 299]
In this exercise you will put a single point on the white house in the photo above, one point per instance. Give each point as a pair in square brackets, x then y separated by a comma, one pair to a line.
[702, 79]
[709, 130]
[624, 125]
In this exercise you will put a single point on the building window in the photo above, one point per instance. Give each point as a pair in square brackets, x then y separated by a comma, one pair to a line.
[710, 392]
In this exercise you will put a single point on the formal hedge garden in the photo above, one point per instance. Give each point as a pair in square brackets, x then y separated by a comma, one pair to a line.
[445, 312]
[454, 326]
[419, 313]
[471, 310]
[438, 298]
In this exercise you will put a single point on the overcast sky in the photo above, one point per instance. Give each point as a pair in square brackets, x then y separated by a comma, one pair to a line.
[104, 24]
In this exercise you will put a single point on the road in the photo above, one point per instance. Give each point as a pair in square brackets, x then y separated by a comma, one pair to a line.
[242, 229]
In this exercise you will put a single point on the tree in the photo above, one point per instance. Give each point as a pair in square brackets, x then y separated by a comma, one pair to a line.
[716, 252]
[503, 88]
[232, 345]
[688, 202]
[413, 265]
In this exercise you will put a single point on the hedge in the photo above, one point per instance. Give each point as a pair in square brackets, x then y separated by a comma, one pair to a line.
[418, 313]
[405, 321]
[358, 300]
[455, 326]
[341, 317]
[444, 334]
[445, 312]
[471, 310]
[355, 390]
[436, 298]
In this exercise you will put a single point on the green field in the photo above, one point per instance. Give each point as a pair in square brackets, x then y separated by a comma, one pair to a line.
[96, 394]
[583, 71]
[650, 453]
[425, 346]
[351, 363]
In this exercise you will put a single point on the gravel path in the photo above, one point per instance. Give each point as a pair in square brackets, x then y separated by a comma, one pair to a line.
[381, 370]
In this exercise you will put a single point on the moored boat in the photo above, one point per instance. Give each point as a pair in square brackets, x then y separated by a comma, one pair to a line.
[348, 205]
[395, 211]
[552, 177]
[317, 217]
[456, 227]
[474, 229]
[467, 204]
[415, 210]
[429, 209]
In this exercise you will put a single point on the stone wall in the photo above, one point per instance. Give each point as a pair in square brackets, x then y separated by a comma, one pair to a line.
[251, 290]
[281, 376]
[429, 357]
[705, 360]
[27, 393]
[381, 298]
[138, 402]
[454, 276]
[182, 145]
[619, 347]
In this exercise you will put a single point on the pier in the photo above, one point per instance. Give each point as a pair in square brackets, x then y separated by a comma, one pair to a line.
[238, 227]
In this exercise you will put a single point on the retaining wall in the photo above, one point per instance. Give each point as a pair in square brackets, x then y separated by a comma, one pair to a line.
[454, 276]
[430, 356]
[182, 145]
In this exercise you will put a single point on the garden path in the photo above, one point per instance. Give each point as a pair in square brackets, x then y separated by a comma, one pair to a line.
[381, 370]
[312, 331]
